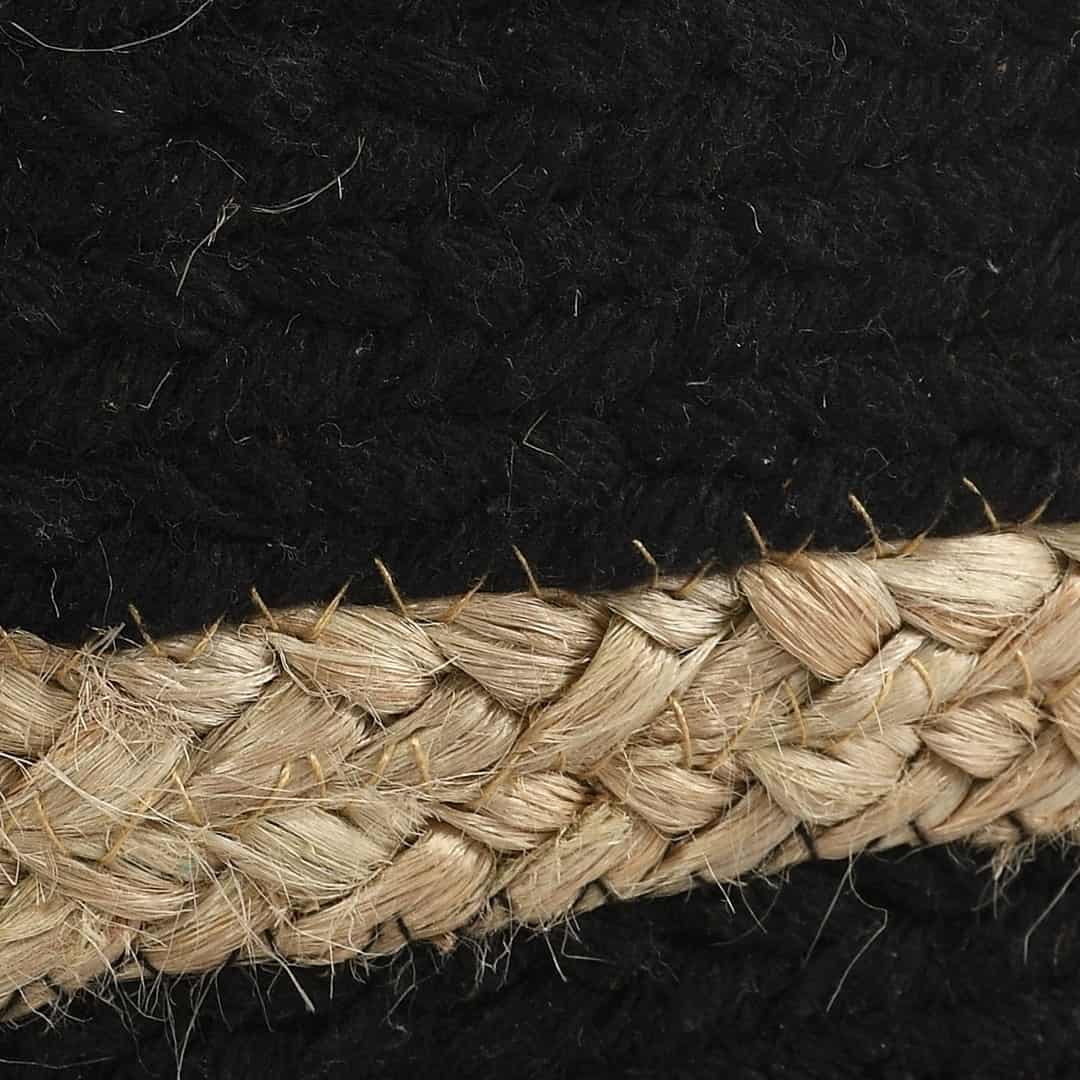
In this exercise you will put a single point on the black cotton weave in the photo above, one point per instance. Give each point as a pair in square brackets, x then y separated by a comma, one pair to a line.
[600, 272]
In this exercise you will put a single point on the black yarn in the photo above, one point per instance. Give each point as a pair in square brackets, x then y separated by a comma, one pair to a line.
[906, 969]
[602, 272]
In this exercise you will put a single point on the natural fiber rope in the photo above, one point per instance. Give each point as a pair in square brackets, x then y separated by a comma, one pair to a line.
[326, 784]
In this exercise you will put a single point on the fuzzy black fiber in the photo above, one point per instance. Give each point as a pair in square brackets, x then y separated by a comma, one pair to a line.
[602, 271]
[906, 969]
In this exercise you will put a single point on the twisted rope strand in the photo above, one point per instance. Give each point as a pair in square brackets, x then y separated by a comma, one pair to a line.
[327, 784]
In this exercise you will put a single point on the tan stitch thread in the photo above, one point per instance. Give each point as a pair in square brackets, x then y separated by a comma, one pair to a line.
[391, 588]
[115, 846]
[684, 731]
[1029, 682]
[458, 606]
[196, 818]
[792, 557]
[762, 547]
[534, 588]
[16, 653]
[47, 827]
[73, 657]
[751, 716]
[493, 785]
[698, 575]
[282, 782]
[141, 627]
[646, 554]
[328, 612]
[920, 670]
[987, 508]
[421, 759]
[207, 637]
[384, 760]
[883, 693]
[868, 521]
[794, 702]
[317, 769]
[1036, 514]
[268, 803]
[520, 743]
[266, 613]
[916, 542]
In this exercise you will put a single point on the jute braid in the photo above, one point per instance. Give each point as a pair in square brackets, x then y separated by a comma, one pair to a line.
[323, 784]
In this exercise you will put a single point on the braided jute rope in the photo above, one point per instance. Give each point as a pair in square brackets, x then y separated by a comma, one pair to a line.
[326, 783]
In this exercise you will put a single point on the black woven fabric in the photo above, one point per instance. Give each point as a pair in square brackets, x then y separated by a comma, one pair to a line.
[593, 273]
[623, 272]
[914, 973]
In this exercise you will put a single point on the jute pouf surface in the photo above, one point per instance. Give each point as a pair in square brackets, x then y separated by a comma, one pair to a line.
[322, 784]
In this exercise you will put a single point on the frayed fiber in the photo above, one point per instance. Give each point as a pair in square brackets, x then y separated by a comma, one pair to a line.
[320, 784]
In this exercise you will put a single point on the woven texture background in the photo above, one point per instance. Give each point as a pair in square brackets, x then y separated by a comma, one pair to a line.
[624, 271]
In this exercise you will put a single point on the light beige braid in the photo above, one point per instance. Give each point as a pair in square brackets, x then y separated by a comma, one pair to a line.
[324, 784]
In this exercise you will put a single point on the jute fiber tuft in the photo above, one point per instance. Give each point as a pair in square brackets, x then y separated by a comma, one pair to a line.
[322, 784]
